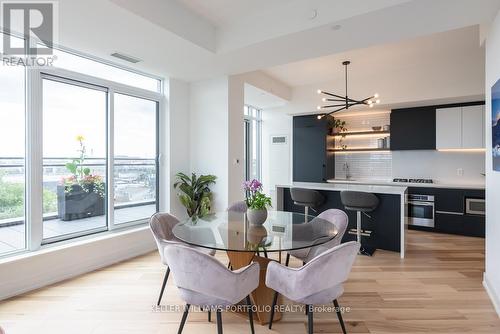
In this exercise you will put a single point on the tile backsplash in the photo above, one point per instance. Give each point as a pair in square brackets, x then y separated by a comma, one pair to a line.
[364, 166]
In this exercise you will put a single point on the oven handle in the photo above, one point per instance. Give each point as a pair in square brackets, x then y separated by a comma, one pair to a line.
[450, 213]
[421, 203]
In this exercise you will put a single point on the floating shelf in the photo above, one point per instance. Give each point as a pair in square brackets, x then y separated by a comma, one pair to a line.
[361, 150]
[361, 133]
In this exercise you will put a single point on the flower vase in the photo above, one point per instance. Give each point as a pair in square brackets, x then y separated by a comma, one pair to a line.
[257, 216]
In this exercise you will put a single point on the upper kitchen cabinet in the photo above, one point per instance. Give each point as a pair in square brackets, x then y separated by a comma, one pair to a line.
[311, 160]
[460, 127]
[413, 128]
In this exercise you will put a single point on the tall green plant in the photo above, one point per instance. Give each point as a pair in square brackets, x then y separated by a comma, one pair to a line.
[195, 194]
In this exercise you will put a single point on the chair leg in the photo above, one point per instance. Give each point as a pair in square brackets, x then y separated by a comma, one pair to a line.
[339, 315]
[209, 316]
[184, 317]
[271, 316]
[310, 319]
[250, 314]
[229, 265]
[265, 253]
[165, 279]
[219, 322]
[287, 259]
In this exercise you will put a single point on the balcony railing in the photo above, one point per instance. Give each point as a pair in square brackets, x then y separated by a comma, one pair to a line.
[134, 184]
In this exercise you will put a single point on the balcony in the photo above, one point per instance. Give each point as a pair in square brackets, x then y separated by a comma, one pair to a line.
[134, 198]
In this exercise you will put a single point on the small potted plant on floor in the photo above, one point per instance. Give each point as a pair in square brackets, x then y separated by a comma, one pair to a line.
[257, 202]
[80, 195]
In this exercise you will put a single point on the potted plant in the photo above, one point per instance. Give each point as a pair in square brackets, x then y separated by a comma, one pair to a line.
[338, 127]
[80, 195]
[195, 195]
[257, 202]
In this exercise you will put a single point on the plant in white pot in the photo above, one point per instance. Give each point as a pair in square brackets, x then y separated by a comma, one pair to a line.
[257, 202]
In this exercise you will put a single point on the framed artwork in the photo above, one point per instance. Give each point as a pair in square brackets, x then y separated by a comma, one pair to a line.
[495, 124]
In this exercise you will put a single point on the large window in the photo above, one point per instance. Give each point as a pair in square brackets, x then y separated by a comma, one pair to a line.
[12, 162]
[252, 132]
[89, 161]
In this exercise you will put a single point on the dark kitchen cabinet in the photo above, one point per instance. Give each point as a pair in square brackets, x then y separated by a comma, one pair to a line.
[413, 129]
[311, 160]
[450, 216]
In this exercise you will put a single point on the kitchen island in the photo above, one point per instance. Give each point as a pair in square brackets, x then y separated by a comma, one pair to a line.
[388, 222]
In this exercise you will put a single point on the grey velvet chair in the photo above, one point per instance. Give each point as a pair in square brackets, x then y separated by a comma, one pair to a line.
[205, 282]
[161, 224]
[336, 217]
[240, 206]
[317, 282]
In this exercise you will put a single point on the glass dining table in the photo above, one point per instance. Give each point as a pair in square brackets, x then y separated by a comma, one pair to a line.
[244, 242]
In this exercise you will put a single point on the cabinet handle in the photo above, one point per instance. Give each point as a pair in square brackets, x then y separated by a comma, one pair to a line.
[450, 213]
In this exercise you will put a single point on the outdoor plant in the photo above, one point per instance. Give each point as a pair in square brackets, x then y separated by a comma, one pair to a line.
[195, 194]
[255, 198]
[81, 175]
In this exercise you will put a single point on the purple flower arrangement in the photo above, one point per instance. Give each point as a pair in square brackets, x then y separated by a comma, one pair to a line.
[255, 198]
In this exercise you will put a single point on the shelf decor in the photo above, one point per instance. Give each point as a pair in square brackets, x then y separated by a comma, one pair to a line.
[343, 102]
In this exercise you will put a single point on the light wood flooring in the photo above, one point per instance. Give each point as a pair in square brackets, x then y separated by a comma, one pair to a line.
[436, 289]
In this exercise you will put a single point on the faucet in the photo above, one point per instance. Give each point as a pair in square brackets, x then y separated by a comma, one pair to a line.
[347, 172]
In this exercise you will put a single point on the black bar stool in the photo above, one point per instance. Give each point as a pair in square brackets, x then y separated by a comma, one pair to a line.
[361, 202]
[307, 198]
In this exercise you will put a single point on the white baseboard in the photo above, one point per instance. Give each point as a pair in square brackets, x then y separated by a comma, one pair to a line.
[494, 296]
[35, 270]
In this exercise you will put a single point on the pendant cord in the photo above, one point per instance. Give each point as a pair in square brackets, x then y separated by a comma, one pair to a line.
[346, 96]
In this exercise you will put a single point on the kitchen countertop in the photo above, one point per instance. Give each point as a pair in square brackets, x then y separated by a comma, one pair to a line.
[397, 189]
[436, 184]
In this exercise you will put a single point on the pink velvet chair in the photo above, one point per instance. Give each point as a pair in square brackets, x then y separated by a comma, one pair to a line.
[318, 282]
[162, 224]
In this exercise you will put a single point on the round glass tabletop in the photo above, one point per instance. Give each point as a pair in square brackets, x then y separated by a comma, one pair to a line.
[231, 231]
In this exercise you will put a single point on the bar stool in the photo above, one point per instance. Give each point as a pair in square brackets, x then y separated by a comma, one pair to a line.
[307, 198]
[361, 202]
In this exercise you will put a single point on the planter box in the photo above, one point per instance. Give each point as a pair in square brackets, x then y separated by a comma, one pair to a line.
[78, 204]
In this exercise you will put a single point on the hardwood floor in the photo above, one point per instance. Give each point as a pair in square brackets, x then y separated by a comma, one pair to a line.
[436, 289]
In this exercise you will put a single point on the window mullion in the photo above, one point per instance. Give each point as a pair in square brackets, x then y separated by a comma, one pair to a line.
[110, 160]
[34, 159]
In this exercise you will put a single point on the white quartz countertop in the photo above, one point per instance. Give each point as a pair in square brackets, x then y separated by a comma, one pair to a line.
[436, 184]
[396, 189]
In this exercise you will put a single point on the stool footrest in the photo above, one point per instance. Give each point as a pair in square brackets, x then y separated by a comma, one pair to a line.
[363, 233]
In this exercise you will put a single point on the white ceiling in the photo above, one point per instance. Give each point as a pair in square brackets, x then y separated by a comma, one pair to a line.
[230, 37]
[262, 99]
[419, 52]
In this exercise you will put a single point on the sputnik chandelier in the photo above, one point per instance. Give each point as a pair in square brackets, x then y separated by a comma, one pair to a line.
[343, 102]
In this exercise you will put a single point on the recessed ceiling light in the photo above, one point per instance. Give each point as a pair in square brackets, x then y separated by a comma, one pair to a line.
[313, 14]
[336, 27]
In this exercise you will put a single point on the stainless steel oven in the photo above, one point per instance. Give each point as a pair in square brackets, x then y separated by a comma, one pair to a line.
[421, 210]
[475, 206]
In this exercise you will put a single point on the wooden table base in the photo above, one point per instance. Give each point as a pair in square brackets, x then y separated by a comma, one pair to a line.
[262, 297]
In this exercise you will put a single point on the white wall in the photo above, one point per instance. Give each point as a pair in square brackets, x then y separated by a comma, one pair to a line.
[175, 157]
[209, 121]
[492, 274]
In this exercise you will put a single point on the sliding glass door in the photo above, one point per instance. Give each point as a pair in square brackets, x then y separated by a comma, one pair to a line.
[135, 158]
[74, 158]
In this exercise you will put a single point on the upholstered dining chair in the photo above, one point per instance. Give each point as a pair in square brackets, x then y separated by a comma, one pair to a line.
[162, 224]
[240, 206]
[334, 216]
[205, 282]
[318, 282]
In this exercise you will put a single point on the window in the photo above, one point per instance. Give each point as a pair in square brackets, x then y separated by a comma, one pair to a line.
[89, 162]
[12, 162]
[74, 158]
[252, 132]
[135, 156]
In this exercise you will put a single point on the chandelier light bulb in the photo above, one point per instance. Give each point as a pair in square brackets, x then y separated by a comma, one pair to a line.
[324, 99]
[375, 95]
[320, 116]
[318, 107]
[371, 105]
[378, 101]
[319, 91]
[370, 101]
